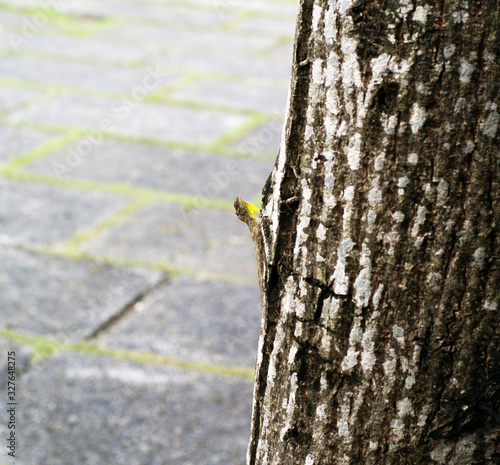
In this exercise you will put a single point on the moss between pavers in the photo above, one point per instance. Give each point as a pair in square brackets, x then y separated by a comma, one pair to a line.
[161, 95]
[46, 94]
[141, 193]
[72, 24]
[22, 84]
[205, 6]
[239, 16]
[158, 142]
[141, 196]
[53, 90]
[243, 14]
[188, 78]
[83, 26]
[42, 150]
[13, 168]
[280, 41]
[70, 247]
[220, 145]
[66, 58]
[158, 96]
[44, 347]
[262, 82]
[73, 254]
[86, 132]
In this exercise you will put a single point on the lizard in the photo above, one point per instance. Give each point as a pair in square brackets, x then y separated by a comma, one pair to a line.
[245, 212]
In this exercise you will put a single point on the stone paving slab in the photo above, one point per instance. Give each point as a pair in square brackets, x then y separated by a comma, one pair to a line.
[133, 119]
[172, 13]
[10, 97]
[132, 33]
[264, 139]
[240, 65]
[196, 239]
[63, 298]
[91, 49]
[5, 45]
[269, 26]
[225, 7]
[234, 95]
[194, 319]
[72, 111]
[87, 68]
[16, 141]
[34, 214]
[81, 409]
[23, 3]
[283, 52]
[11, 21]
[77, 75]
[156, 167]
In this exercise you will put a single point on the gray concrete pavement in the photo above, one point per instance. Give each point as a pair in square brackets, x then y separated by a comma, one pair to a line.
[128, 288]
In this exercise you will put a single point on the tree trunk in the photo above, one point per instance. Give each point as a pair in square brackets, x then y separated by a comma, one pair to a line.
[379, 340]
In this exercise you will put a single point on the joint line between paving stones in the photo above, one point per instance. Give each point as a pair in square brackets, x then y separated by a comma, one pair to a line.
[162, 99]
[159, 96]
[26, 103]
[68, 21]
[53, 90]
[141, 193]
[129, 263]
[156, 97]
[217, 148]
[43, 347]
[126, 310]
[241, 131]
[70, 247]
[40, 151]
[280, 41]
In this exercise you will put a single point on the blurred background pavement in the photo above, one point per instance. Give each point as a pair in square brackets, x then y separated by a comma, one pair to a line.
[128, 288]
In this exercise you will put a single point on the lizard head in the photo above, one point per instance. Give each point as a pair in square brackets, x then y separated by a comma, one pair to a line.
[245, 210]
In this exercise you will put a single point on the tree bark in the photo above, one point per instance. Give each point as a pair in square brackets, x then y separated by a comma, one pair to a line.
[379, 340]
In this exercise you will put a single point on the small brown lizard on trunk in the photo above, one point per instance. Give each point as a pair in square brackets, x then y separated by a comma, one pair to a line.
[246, 212]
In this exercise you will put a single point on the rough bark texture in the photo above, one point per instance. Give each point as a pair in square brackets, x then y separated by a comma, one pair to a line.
[380, 340]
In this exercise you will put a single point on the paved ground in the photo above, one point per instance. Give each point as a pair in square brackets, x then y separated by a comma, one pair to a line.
[128, 287]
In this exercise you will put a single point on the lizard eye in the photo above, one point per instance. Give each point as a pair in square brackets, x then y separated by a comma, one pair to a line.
[252, 209]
